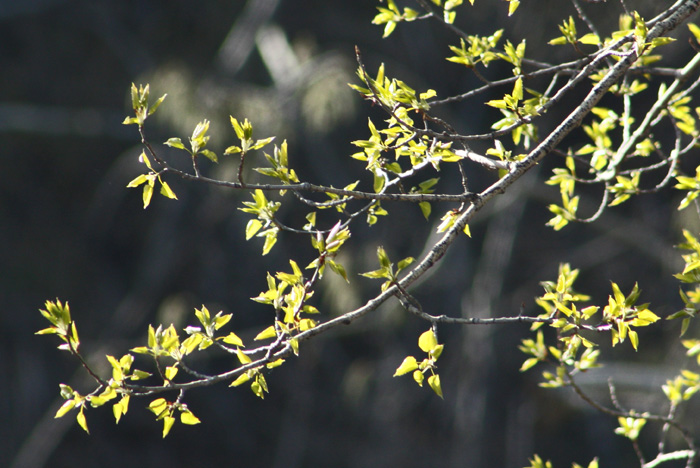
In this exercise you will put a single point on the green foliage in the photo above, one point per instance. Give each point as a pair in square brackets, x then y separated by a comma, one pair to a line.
[141, 106]
[630, 427]
[58, 315]
[198, 142]
[427, 342]
[619, 152]
[480, 50]
[264, 225]
[386, 270]
[244, 131]
[165, 411]
[575, 351]
[391, 15]
[568, 29]
[149, 181]
[691, 185]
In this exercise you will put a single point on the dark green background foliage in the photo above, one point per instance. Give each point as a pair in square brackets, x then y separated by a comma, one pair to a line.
[69, 228]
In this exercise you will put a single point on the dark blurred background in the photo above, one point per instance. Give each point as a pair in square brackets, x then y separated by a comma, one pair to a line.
[70, 229]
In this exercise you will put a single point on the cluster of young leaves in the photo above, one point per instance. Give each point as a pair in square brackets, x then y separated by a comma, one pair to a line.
[570, 35]
[289, 306]
[415, 146]
[604, 155]
[476, 49]
[263, 225]
[279, 165]
[393, 93]
[516, 114]
[401, 138]
[168, 352]
[687, 383]
[244, 132]
[575, 351]
[427, 342]
[691, 187]
[620, 317]
[537, 462]
[148, 181]
[58, 314]
[198, 143]
[391, 15]
[386, 270]
[142, 110]
[165, 411]
[327, 248]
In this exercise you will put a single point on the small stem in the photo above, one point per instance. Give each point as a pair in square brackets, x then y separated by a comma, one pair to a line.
[240, 170]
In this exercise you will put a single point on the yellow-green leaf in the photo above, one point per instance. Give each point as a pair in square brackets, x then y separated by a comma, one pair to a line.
[186, 417]
[137, 181]
[590, 39]
[66, 407]
[170, 372]
[434, 382]
[81, 420]
[243, 378]
[121, 407]
[147, 194]
[269, 332]
[233, 339]
[168, 422]
[243, 357]
[409, 364]
[427, 341]
[418, 377]
[695, 30]
[166, 191]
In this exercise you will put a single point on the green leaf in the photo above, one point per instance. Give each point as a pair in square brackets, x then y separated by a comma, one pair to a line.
[65, 408]
[209, 155]
[81, 420]
[243, 378]
[404, 263]
[695, 30]
[338, 269]
[245, 359]
[418, 377]
[425, 208]
[589, 39]
[233, 339]
[380, 273]
[166, 191]
[186, 417]
[120, 408]
[170, 372]
[427, 341]
[518, 89]
[409, 364]
[138, 181]
[147, 195]
[514, 4]
[270, 240]
[168, 422]
[434, 383]
[175, 143]
[252, 228]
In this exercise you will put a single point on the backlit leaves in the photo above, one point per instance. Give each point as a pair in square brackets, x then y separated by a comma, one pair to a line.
[387, 270]
[148, 181]
[427, 342]
[139, 103]
[265, 225]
